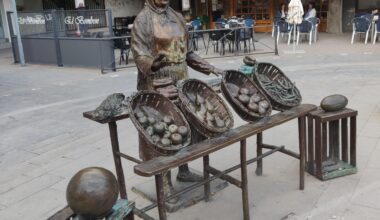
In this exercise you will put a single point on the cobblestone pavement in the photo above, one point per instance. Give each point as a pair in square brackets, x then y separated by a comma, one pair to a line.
[44, 139]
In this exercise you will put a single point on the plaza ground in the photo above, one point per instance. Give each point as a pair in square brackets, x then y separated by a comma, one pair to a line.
[44, 139]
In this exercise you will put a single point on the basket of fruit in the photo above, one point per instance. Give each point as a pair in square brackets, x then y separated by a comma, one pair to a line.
[204, 108]
[282, 92]
[159, 122]
[244, 96]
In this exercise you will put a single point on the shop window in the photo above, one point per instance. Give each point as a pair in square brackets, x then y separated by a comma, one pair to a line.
[257, 9]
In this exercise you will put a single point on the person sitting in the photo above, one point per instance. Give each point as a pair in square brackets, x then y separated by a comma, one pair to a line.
[311, 13]
[282, 13]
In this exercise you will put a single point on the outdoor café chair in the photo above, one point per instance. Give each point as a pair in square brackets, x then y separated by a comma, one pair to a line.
[360, 25]
[216, 37]
[250, 24]
[315, 21]
[123, 45]
[197, 26]
[377, 30]
[275, 21]
[284, 28]
[305, 28]
[233, 36]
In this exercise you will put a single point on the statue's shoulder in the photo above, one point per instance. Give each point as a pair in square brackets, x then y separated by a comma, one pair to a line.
[179, 15]
[142, 16]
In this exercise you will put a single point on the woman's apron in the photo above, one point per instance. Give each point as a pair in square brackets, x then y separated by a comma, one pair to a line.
[170, 40]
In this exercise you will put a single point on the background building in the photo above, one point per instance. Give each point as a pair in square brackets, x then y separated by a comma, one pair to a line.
[4, 31]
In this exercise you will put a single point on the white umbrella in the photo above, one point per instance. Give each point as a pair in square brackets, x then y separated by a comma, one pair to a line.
[295, 16]
[295, 12]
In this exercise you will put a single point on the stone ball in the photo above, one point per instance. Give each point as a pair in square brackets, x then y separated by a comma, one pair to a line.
[92, 192]
[334, 103]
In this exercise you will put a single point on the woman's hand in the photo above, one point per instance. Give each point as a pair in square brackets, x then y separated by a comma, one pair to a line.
[218, 72]
[159, 62]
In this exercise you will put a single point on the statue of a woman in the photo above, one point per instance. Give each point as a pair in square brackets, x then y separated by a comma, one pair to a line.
[160, 50]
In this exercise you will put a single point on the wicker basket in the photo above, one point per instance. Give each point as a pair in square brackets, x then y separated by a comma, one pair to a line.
[242, 81]
[192, 87]
[286, 95]
[157, 105]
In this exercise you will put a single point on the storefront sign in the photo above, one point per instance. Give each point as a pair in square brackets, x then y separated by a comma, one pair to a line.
[36, 19]
[40, 19]
[81, 20]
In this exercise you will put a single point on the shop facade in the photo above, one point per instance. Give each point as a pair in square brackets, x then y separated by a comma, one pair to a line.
[335, 15]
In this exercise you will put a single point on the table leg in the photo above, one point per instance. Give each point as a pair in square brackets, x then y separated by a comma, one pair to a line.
[344, 140]
[160, 196]
[310, 148]
[353, 141]
[206, 175]
[259, 142]
[244, 180]
[117, 159]
[302, 146]
[318, 148]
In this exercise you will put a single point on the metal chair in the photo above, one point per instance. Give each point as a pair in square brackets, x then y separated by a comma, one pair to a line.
[305, 28]
[275, 21]
[360, 25]
[233, 37]
[284, 27]
[315, 21]
[250, 24]
[122, 44]
[215, 37]
[197, 26]
[377, 30]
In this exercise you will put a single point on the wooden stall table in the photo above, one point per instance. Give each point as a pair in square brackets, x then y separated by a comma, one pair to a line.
[160, 165]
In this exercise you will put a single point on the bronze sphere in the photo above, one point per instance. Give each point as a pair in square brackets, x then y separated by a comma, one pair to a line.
[92, 192]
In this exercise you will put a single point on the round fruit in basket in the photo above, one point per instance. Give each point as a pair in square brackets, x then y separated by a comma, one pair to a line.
[159, 122]
[203, 107]
[92, 192]
[244, 96]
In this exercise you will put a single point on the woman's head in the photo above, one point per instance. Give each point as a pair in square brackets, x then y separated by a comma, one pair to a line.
[311, 5]
[161, 3]
[282, 6]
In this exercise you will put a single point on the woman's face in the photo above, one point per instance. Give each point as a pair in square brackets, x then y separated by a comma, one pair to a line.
[161, 3]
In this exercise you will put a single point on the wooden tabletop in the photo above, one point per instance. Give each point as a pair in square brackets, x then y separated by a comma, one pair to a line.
[332, 116]
[213, 83]
[162, 164]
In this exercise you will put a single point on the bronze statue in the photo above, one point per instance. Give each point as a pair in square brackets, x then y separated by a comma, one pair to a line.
[160, 49]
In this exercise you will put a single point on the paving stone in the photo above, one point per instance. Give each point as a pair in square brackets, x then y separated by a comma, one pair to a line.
[38, 206]
[14, 157]
[355, 212]
[367, 192]
[28, 189]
